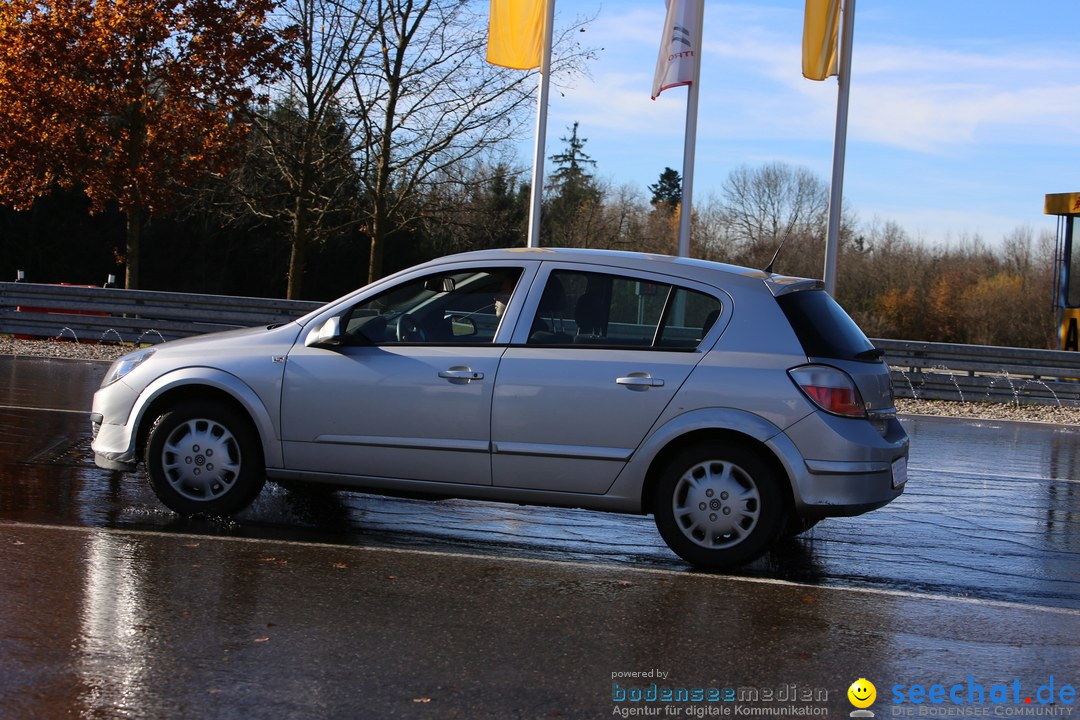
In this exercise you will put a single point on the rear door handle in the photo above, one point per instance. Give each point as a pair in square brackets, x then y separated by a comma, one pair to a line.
[458, 373]
[639, 381]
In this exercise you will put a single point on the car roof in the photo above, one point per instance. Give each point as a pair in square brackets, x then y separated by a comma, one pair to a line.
[706, 271]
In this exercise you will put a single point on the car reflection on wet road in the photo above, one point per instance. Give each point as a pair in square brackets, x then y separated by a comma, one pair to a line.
[992, 509]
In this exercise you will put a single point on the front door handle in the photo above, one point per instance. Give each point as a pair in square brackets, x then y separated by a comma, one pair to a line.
[461, 373]
[639, 381]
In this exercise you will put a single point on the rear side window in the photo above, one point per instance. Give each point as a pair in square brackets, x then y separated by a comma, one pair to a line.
[824, 329]
[601, 310]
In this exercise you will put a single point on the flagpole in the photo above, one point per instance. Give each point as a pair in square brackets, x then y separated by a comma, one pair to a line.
[537, 191]
[690, 139]
[836, 190]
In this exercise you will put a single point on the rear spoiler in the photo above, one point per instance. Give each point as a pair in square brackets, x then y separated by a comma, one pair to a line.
[784, 284]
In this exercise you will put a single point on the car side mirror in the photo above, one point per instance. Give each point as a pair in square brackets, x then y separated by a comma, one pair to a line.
[462, 326]
[328, 334]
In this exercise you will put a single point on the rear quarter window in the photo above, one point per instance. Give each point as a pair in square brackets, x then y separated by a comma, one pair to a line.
[824, 329]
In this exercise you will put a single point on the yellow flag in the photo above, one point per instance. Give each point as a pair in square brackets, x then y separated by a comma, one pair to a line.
[516, 33]
[821, 32]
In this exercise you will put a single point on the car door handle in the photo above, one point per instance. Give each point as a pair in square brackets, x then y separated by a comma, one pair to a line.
[639, 381]
[465, 374]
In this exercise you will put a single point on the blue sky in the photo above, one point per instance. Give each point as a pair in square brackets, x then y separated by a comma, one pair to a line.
[964, 113]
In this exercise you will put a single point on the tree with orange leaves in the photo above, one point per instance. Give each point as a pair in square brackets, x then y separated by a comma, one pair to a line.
[128, 100]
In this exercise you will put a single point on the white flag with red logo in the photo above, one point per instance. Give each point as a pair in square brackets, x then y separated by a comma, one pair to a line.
[675, 64]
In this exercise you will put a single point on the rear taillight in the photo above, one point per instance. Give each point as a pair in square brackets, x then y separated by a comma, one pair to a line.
[830, 389]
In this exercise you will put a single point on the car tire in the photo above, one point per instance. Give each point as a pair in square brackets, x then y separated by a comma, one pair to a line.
[204, 458]
[718, 506]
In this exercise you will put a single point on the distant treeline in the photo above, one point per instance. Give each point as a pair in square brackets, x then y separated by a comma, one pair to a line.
[969, 291]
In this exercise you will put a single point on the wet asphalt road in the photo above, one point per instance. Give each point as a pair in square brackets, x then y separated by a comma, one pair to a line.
[349, 605]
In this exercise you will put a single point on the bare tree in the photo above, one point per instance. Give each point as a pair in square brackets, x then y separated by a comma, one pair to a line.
[303, 173]
[334, 36]
[773, 204]
[300, 176]
[712, 236]
[385, 102]
[426, 99]
[484, 205]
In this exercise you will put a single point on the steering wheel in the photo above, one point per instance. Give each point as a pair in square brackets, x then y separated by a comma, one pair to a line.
[408, 329]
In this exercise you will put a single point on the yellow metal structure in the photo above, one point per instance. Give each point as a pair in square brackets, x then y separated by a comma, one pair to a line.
[1070, 329]
[1062, 204]
[1066, 268]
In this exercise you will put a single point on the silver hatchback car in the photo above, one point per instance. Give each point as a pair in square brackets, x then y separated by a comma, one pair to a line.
[733, 404]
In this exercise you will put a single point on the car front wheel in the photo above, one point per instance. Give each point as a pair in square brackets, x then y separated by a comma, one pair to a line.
[718, 506]
[204, 458]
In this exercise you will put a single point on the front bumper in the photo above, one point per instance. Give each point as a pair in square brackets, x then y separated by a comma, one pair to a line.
[113, 441]
[113, 448]
[107, 461]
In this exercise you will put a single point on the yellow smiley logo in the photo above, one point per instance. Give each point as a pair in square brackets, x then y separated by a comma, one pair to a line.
[862, 693]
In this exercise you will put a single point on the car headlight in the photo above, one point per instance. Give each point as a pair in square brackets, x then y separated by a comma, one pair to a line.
[126, 364]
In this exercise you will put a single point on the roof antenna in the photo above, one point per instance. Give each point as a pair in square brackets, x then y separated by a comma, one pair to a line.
[769, 267]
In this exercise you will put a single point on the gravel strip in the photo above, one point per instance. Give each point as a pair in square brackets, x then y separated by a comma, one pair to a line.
[991, 411]
[9, 345]
[978, 410]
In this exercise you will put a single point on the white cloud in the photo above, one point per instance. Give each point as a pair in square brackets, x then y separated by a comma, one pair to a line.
[932, 100]
[938, 118]
[925, 98]
[953, 131]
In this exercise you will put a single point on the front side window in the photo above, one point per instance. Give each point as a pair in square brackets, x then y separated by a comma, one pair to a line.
[579, 308]
[447, 308]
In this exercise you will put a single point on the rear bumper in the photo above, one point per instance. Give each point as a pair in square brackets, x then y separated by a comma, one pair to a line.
[823, 484]
[827, 489]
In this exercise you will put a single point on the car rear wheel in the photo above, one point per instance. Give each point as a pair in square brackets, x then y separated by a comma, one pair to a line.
[204, 458]
[718, 506]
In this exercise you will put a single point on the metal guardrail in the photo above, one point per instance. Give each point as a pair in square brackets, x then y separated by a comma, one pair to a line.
[135, 316]
[920, 370]
[981, 373]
